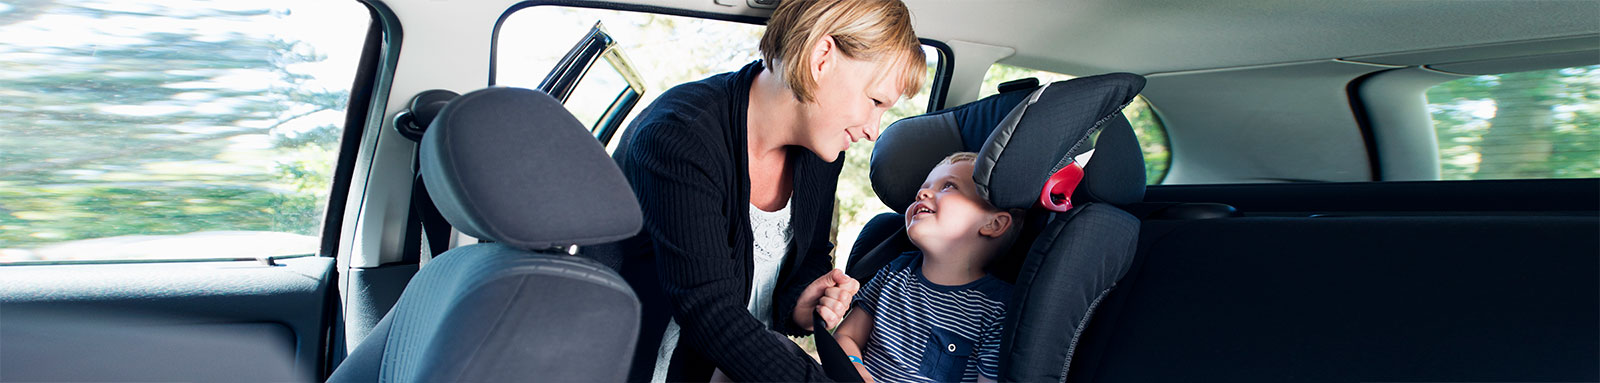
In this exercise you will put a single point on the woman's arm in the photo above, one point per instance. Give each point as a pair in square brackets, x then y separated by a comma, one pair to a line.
[795, 300]
[852, 337]
[678, 179]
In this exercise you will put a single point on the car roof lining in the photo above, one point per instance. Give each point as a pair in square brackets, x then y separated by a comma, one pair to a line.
[1151, 36]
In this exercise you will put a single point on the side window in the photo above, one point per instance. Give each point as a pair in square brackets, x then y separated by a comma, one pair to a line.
[1537, 124]
[662, 50]
[155, 130]
[1146, 124]
[605, 94]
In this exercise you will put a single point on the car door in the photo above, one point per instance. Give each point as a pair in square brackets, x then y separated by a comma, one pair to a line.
[172, 182]
[599, 96]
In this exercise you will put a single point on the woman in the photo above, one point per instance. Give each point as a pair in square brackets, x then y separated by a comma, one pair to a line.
[736, 175]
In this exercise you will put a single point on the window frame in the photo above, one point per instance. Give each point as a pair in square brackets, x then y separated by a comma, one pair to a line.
[375, 73]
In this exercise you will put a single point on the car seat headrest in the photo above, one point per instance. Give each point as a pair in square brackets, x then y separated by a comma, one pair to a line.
[513, 166]
[1024, 137]
[910, 148]
[1047, 131]
[917, 144]
[1116, 173]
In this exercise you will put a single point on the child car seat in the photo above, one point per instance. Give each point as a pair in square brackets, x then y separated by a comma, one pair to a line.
[1072, 258]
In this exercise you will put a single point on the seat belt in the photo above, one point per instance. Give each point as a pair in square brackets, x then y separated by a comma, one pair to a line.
[834, 362]
[426, 228]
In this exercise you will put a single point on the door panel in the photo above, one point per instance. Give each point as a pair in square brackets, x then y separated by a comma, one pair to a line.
[173, 321]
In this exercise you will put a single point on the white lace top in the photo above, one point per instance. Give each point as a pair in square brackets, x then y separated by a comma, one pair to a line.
[772, 234]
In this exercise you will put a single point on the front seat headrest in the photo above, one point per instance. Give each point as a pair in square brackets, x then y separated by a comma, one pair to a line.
[560, 190]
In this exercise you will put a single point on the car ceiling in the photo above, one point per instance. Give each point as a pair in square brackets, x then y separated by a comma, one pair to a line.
[1158, 36]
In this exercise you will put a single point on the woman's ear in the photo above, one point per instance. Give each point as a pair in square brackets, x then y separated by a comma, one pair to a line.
[999, 222]
[822, 56]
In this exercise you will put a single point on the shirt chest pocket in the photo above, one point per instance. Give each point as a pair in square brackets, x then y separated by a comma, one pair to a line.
[946, 355]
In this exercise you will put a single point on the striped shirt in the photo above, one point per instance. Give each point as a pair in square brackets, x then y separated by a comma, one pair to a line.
[925, 332]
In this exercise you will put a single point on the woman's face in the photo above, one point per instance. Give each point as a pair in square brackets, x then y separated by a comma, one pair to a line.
[850, 97]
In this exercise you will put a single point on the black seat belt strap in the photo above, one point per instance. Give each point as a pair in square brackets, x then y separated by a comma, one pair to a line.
[426, 228]
[834, 362]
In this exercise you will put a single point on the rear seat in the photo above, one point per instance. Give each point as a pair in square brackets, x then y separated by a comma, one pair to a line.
[1392, 281]
[1418, 296]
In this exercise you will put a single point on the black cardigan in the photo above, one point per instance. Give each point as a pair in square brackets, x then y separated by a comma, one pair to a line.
[685, 156]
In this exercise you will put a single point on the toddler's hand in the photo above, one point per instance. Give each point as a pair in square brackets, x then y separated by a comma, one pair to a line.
[836, 300]
[828, 296]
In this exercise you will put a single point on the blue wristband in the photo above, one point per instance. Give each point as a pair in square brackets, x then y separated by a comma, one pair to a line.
[856, 360]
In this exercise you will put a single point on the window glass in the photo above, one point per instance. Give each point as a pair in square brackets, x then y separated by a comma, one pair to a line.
[1538, 124]
[142, 129]
[592, 96]
[1146, 124]
[665, 50]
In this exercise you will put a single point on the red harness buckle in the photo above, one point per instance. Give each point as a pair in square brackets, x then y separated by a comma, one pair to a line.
[1057, 193]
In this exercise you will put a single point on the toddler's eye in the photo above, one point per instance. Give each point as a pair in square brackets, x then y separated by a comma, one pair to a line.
[948, 186]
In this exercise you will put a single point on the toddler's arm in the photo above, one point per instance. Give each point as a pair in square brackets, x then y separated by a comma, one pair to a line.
[852, 337]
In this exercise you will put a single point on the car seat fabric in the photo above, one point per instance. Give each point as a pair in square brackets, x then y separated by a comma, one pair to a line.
[920, 142]
[1078, 255]
[512, 167]
[1078, 258]
[1039, 138]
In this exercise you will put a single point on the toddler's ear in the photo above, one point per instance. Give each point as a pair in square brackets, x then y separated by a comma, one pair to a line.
[996, 225]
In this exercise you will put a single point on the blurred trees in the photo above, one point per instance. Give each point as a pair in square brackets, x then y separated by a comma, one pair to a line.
[1536, 124]
[127, 118]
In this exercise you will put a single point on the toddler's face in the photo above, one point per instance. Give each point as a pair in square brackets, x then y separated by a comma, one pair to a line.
[947, 208]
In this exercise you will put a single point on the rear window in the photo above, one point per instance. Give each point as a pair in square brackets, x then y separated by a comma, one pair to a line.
[164, 130]
[1537, 124]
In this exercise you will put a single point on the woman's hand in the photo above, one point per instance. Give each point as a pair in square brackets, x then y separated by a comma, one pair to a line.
[829, 296]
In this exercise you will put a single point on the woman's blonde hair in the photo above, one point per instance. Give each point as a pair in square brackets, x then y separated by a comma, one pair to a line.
[869, 30]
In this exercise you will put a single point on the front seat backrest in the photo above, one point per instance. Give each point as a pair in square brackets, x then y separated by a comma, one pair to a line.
[512, 166]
